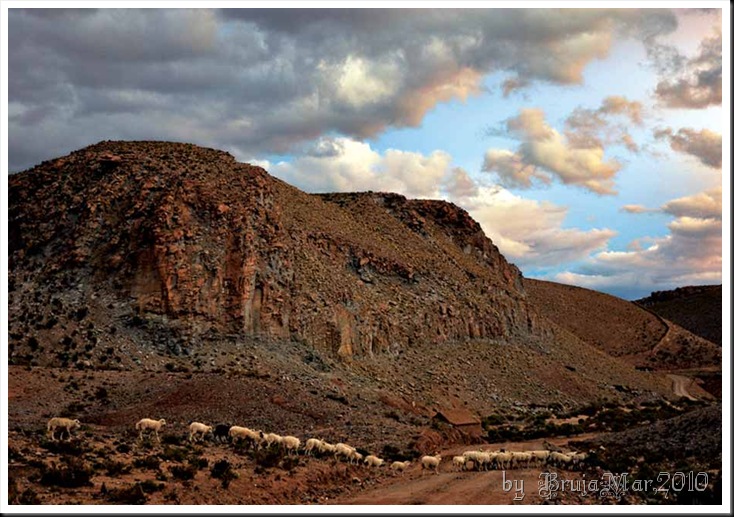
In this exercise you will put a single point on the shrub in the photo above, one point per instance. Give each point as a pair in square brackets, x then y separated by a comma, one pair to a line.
[183, 472]
[148, 462]
[223, 471]
[133, 494]
[72, 473]
[171, 453]
[115, 468]
[268, 458]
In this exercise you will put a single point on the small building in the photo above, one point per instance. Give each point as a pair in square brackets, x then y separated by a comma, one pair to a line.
[460, 419]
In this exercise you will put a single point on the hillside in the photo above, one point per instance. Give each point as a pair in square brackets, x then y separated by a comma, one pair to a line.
[695, 308]
[621, 328]
[170, 281]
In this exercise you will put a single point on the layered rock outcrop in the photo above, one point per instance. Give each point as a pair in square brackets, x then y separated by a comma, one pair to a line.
[189, 238]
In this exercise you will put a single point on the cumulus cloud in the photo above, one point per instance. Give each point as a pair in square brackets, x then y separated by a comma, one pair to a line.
[596, 127]
[255, 81]
[346, 165]
[546, 155]
[531, 233]
[636, 209]
[704, 144]
[692, 83]
[689, 254]
[528, 232]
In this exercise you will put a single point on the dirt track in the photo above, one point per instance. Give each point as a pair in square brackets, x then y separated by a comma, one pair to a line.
[681, 385]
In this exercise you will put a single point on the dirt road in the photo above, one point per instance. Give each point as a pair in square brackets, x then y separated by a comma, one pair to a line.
[681, 385]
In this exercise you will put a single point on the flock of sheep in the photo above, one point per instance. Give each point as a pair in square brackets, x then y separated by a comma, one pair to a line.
[477, 460]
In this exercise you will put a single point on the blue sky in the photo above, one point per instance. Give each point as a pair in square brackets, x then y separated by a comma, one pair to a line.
[599, 165]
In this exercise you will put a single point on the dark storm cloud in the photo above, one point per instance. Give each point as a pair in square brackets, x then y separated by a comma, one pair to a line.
[265, 80]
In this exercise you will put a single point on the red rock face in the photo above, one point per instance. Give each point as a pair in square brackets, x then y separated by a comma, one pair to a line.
[187, 236]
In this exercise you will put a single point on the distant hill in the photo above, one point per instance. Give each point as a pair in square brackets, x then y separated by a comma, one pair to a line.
[622, 329]
[695, 308]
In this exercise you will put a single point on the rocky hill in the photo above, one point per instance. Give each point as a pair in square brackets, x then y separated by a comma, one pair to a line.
[190, 239]
[695, 308]
[163, 257]
[622, 329]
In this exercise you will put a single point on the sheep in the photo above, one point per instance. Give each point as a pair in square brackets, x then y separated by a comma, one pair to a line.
[197, 428]
[473, 457]
[539, 457]
[311, 444]
[459, 462]
[221, 432]
[290, 443]
[503, 460]
[270, 439]
[65, 424]
[355, 457]
[150, 424]
[400, 466]
[326, 447]
[560, 460]
[430, 462]
[578, 459]
[520, 459]
[236, 432]
[373, 461]
[342, 449]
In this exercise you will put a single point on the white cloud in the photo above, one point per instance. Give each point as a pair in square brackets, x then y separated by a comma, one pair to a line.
[545, 154]
[528, 232]
[691, 253]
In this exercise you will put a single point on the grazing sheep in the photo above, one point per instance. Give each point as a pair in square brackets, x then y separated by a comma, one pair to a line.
[311, 444]
[65, 424]
[327, 447]
[373, 461]
[150, 424]
[503, 460]
[520, 459]
[560, 460]
[430, 462]
[342, 449]
[270, 439]
[539, 457]
[400, 466]
[290, 443]
[579, 459]
[221, 432]
[236, 432]
[459, 462]
[197, 428]
[355, 457]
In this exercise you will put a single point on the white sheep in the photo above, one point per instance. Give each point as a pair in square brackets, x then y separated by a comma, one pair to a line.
[503, 460]
[342, 449]
[373, 461]
[150, 424]
[327, 447]
[355, 457]
[560, 459]
[290, 443]
[236, 432]
[270, 438]
[197, 428]
[311, 444]
[539, 457]
[578, 459]
[520, 459]
[65, 424]
[400, 466]
[459, 462]
[430, 462]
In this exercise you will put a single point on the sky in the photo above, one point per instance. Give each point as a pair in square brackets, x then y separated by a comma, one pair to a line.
[586, 142]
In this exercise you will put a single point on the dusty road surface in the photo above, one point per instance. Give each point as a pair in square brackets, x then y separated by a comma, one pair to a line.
[681, 385]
